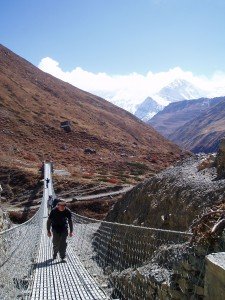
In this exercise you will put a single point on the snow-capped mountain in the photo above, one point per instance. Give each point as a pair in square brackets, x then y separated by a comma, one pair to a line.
[147, 109]
[177, 90]
[180, 90]
[124, 103]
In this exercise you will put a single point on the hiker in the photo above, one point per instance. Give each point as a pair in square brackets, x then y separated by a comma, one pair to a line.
[47, 182]
[57, 225]
[0, 191]
[50, 201]
[55, 202]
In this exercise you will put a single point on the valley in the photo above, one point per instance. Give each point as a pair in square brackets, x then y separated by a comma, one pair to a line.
[112, 150]
[105, 146]
[115, 169]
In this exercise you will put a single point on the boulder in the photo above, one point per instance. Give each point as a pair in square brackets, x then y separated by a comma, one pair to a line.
[89, 151]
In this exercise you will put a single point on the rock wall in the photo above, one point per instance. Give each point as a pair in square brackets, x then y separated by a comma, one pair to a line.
[215, 276]
[183, 280]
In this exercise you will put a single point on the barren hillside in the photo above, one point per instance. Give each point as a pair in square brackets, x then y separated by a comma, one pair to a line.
[203, 134]
[32, 105]
[196, 125]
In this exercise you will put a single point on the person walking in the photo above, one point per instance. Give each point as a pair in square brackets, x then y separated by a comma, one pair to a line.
[49, 204]
[55, 202]
[0, 191]
[57, 225]
[47, 182]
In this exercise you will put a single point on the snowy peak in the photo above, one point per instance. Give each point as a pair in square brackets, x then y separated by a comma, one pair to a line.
[147, 109]
[179, 90]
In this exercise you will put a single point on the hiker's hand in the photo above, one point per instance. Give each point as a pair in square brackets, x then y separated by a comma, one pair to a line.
[49, 234]
[71, 234]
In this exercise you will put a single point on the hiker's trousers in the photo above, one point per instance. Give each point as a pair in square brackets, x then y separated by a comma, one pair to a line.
[59, 243]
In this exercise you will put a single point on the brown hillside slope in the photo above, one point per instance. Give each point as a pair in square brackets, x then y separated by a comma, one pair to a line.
[32, 105]
[203, 133]
[177, 114]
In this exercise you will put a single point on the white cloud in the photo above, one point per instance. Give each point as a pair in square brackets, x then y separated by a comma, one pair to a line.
[131, 89]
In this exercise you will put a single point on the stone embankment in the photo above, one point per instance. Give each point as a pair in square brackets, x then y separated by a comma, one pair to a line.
[183, 280]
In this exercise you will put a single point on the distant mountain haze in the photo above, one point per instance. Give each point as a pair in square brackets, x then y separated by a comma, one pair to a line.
[33, 104]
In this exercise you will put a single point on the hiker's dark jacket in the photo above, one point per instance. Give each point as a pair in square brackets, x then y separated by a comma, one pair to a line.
[59, 220]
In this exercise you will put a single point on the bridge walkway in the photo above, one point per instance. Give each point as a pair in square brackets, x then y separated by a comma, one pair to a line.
[56, 280]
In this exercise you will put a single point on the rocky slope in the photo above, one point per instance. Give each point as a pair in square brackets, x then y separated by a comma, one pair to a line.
[32, 105]
[173, 198]
[165, 264]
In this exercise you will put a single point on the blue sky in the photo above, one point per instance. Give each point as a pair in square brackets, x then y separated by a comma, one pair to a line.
[118, 36]
[117, 39]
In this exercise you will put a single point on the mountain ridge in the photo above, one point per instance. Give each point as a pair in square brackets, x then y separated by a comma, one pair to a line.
[184, 121]
[203, 133]
[177, 90]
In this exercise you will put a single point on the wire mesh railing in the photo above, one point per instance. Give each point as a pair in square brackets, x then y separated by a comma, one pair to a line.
[18, 250]
[107, 249]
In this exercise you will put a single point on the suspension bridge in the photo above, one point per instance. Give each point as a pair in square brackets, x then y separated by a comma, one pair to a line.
[96, 255]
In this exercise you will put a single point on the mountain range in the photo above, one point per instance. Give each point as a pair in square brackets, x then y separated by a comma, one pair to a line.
[33, 105]
[196, 125]
[177, 90]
